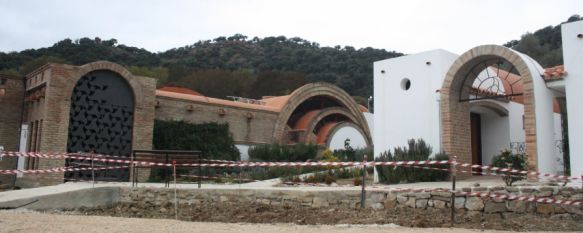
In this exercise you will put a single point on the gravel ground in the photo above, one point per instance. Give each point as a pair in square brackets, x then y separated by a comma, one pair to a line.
[19, 221]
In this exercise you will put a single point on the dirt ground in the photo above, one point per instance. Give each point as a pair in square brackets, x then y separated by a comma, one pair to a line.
[11, 221]
[303, 215]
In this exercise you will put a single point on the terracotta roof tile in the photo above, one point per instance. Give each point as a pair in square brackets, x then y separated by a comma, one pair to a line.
[554, 73]
[181, 90]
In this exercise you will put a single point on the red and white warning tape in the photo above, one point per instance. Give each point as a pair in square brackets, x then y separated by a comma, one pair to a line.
[60, 169]
[546, 200]
[225, 163]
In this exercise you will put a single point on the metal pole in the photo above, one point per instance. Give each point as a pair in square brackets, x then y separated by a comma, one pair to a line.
[92, 171]
[175, 196]
[453, 174]
[363, 192]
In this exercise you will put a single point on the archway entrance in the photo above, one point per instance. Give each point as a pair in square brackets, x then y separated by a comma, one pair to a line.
[487, 73]
[101, 121]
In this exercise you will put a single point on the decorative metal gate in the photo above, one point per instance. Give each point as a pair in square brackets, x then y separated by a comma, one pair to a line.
[101, 121]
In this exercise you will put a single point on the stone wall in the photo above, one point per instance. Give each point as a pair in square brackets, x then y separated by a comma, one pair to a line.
[378, 200]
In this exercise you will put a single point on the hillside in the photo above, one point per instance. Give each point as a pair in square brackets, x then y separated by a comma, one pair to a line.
[544, 45]
[239, 66]
[223, 66]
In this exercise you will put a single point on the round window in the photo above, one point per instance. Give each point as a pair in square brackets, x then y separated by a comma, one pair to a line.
[405, 84]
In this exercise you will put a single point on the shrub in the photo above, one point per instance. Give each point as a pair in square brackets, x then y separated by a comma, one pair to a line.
[507, 159]
[283, 153]
[417, 150]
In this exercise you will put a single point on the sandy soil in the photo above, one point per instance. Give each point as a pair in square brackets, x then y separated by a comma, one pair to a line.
[18, 221]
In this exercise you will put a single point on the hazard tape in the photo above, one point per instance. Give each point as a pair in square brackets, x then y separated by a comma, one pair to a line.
[545, 200]
[225, 163]
[59, 169]
[517, 171]
[237, 164]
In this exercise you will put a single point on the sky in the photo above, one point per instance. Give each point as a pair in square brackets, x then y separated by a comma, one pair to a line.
[407, 26]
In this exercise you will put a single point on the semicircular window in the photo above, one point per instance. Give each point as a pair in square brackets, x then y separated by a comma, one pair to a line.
[101, 120]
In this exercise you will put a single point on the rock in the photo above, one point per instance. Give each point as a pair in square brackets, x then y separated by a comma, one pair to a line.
[492, 217]
[516, 206]
[559, 210]
[494, 207]
[480, 189]
[441, 194]
[439, 204]
[401, 199]
[476, 184]
[320, 202]
[544, 194]
[459, 202]
[377, 197]
[544, 208]
[411, 202]
[430, 203]
[377, 206]
[163, 210]
[512, 189]
[474, 216]
[573, 209]
[577, 197]
[474, 203]
[561, 217]
[223, 199]
[526, 190]
[420, 195]
[421, 203]
[390, 204]
[392, 196]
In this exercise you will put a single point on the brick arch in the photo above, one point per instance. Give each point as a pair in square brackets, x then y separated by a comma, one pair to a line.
[341, 125]
[106, 65]
[455, 118]
[143, 91]
[331, 111]
[318, 89]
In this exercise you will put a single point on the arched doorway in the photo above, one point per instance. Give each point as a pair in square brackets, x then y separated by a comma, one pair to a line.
[101, 121]
[458, 91]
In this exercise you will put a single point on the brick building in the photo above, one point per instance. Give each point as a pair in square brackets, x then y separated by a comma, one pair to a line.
[101, 107]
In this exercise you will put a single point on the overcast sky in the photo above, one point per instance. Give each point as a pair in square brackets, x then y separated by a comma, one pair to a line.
[407, 26]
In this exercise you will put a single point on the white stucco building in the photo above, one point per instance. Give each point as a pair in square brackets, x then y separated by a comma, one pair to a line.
[470, 106]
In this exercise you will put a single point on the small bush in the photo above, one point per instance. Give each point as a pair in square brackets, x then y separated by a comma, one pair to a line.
[357, 181]
[507, 159]
[417, 150]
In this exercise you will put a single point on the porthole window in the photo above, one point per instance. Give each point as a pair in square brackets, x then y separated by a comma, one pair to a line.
[405, 84]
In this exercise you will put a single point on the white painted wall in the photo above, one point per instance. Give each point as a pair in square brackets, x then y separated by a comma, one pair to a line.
[405, 114]
[543, 98]
[23, 146]
[495, 133]
[573, 60]
[244, 151]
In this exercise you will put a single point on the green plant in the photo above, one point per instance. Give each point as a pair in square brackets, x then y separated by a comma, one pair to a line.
[507, 159]
[416, 150]
[279, 153]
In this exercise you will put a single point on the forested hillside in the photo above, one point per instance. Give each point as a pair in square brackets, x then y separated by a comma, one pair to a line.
[239, 66]
[544, 45]
[221, 67]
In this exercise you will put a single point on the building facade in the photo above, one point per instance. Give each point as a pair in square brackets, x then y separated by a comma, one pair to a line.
[488, 99]
[102, 108]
